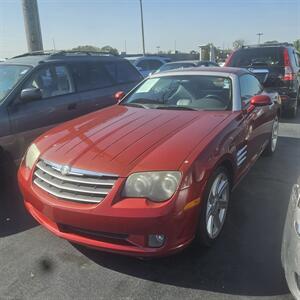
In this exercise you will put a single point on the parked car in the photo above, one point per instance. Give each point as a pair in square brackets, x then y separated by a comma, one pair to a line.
[186, 64]
[148, 64]
[148, 175]
[277, 66]
[291, 242]
[39, 90]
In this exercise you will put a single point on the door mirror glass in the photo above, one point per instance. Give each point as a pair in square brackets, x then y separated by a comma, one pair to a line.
[31, 94]
[260, 100]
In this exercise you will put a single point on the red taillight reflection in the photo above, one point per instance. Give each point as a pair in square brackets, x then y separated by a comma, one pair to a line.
[288, 72]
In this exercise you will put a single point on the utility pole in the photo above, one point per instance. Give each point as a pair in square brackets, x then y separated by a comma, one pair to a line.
[32, 25]
[142, 23]
[259, 35]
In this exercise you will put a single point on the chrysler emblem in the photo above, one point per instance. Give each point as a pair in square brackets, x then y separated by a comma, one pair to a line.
[65, 170]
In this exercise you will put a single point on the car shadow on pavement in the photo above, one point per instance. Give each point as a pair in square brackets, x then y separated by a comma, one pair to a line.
[13, 216]
[246, 258]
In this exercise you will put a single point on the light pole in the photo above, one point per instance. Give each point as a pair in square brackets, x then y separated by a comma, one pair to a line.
[32, 25]
[157, 47]
[142, 23]
[259, 35]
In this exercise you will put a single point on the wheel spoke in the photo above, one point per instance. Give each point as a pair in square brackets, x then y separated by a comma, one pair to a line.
[217, 222]
[210, 225]
[222, 186]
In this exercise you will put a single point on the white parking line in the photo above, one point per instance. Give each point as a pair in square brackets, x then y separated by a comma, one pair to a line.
[289, 130]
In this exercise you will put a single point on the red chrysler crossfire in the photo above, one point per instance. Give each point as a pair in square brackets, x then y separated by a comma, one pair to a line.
[147, 176]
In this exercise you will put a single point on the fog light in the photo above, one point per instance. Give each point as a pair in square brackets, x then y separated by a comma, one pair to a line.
[156, 240]
[297, 227]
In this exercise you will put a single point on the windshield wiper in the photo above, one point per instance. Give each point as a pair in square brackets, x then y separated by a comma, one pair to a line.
[177, 107]
[135, 105]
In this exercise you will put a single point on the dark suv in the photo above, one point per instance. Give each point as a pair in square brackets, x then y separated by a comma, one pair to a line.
[39, 90]
[277, 66]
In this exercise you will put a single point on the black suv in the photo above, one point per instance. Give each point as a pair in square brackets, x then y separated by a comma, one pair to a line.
[277, 66]
[39, 90]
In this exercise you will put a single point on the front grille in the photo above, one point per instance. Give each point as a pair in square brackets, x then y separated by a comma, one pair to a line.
[73, 184]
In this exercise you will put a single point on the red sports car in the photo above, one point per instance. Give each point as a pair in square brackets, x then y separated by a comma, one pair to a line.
[150, 174]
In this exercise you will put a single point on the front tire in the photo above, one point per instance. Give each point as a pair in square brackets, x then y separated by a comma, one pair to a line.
[214, 209]
[272, 144]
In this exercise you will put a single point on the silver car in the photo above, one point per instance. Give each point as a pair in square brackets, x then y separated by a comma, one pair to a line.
[290, 254]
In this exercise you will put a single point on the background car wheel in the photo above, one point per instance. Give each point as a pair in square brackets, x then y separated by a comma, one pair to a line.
[214, 209]
[272, 144]
[292, 112]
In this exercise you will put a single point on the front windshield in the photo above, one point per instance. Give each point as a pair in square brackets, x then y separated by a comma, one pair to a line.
[173, 66]
[9, 77]
[189, 92]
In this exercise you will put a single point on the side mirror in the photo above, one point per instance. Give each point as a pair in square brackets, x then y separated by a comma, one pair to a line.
[31, 94]
[119, 96]
[261, 100]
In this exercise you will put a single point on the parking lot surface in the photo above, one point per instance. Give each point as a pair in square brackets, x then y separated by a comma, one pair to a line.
[243, 264]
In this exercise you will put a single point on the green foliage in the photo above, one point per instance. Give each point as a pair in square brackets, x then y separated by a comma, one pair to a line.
[91, 48]
[87, 48]
[297, 44]
[110, 50]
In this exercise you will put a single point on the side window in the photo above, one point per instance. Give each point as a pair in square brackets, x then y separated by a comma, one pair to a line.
[143, 64]
[89, 76]
[154, 64]
[122, 72]
[250, 87]
[52, 81]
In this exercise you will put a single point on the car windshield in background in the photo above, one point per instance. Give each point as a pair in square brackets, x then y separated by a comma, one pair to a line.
[9, 77]
[173, 66]
[186, 92]
[268, 56]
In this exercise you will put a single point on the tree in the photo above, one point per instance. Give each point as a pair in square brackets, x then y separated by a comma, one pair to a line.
[91, 48]
[297, 44]
[238, 43]
[87, 48]
[271, 42]
[110, 50]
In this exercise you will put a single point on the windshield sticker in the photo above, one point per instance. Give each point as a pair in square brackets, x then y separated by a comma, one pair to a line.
[226, 84]
[24, 72]
[147, 86]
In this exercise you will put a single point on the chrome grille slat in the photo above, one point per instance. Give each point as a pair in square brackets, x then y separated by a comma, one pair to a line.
[53, 172]
[77, 185]
[67, 196]
[67, 186]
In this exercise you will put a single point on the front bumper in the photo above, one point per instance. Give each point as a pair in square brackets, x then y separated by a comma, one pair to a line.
[114, 226]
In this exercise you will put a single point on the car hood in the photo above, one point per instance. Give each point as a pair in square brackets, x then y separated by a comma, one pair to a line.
[122, 139]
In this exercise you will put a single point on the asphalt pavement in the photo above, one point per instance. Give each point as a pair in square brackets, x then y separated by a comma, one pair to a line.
[243, 264]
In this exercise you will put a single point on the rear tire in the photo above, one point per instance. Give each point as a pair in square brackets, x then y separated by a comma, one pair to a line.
[214, 209]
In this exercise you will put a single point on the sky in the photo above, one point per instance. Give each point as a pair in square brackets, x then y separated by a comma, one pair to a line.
[188, 22]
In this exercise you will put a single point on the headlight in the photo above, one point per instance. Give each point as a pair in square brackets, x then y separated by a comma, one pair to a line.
[32, 155]
[156, 186]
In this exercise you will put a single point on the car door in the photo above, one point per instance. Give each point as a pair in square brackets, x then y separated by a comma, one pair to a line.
[58, 104]
[95, 85]
[257, 120]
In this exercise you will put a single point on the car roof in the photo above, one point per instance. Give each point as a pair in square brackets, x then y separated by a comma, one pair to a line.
[145, 57]
[225, 71]
[36, 59]
[183, 62]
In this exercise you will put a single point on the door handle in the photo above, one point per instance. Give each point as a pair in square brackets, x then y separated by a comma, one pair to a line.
[72, 106]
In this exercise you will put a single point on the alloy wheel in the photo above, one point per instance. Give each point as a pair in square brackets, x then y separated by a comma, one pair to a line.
[217, 205]
[275, 130]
